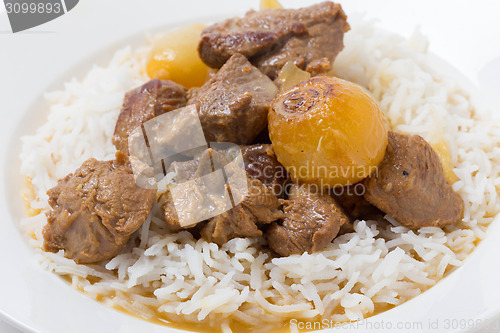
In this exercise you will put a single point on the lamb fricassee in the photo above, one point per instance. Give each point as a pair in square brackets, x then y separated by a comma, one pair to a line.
[326, 136]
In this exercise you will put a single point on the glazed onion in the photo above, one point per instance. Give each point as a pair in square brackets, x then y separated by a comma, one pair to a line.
[175, 57]
[328, 132]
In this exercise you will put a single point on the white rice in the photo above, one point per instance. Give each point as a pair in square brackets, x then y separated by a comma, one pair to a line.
[180, 279]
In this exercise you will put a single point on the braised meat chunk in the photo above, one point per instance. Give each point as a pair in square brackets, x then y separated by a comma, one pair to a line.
[261, 163]
[351, 200]
[95, 210]
[144, 103]
[237, 222]
[234, 103]
[173, 225]
[311, 222]
[259, 206]
[410, 185]
[167, 206]
[311, 37]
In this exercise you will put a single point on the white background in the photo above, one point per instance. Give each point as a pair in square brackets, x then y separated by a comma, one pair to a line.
[6, 328]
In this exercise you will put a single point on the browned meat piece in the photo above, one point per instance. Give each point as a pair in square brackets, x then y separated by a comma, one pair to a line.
[311, 37]
[410, 185]
[172, 219]
[185, 171]
[234, 103]
[354, 204]
[311, 222]
[95, 211]
[144, 103]
[260, 206]
[238, 222]
[169, 213]
[261, 202]
[261, 163]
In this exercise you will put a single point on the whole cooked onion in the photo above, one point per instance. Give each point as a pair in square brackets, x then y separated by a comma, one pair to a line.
[328, 132]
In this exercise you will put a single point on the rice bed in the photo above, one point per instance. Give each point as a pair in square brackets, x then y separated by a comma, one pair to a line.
[177, 278]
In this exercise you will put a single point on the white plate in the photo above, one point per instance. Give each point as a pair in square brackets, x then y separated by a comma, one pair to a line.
[40, 59]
